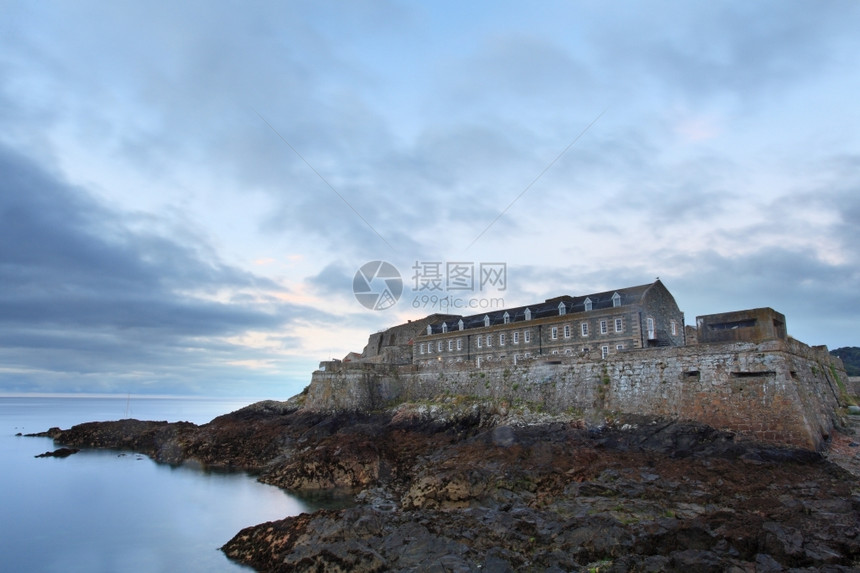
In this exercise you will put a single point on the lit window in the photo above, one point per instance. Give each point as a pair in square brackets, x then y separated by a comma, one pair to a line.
[554, 332]
[516, 338]
[567, 331]
[603, 327]
[527, 336]
[502, 339]
[604, 351]
[584, 328]
[587, 304]
[619, 325]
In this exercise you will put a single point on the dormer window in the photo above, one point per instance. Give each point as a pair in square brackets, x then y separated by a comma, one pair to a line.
[587, 304]
[506, 318]
[616, 299]
[561, 309]
[460, 324]
[429, 329]
[486, 320]
[528, 314]
[444, 327]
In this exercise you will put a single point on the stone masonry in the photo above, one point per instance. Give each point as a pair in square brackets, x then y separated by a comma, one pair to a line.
[780, 391]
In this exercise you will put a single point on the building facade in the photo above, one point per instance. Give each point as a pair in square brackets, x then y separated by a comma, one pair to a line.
[594, 326]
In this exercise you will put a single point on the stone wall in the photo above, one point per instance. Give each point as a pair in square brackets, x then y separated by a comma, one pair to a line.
[779, 391]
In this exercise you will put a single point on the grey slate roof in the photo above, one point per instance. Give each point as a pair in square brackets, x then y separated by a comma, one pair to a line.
[572, 304]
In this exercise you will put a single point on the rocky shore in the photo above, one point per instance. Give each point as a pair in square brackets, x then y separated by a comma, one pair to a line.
[455, 485]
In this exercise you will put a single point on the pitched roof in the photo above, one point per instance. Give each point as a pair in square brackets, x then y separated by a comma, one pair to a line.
[550, 307]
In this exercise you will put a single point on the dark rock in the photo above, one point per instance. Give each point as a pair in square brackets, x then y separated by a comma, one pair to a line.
[470, 494]
[60, 453]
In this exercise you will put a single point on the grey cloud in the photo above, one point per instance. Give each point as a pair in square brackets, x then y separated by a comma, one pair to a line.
[747, 50]
[85, 293]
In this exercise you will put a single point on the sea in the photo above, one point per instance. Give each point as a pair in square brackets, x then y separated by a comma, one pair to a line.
[109, 511]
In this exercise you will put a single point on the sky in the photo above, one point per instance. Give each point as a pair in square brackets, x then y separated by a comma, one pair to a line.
[188, 190]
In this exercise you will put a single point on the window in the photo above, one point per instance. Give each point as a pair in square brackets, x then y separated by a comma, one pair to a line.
[603, 328]
[674, 327]
[450, 345]
[502, 339]
[616, 300]
[567, 331]
[528, 314]
[587, 304]
[527, 336]
[554, 332]
[652, 332]
[486, 320]
[619, 325]
[460, 324]
[604, 351]
[619, 347]
[429, 348]
[516, 338]
[444, 327]
[439, 346]
[459, 344]
[561, 309]
[429, 329]
[422, 348]
[506, 318]
[584, 328]
[489, 340]
[480, 340]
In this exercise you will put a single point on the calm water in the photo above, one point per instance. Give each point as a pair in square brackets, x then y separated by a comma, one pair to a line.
[99, 511]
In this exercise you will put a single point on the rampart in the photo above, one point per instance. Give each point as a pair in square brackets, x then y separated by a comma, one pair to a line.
[779, 391]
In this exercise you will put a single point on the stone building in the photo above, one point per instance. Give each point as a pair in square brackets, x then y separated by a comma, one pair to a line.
[753, 325]
[595, 325]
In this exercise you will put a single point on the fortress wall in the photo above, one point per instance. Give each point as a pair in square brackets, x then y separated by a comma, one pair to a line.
[778, 391]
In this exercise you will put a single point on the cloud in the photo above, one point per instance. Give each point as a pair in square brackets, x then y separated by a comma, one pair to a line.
[83, 292]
